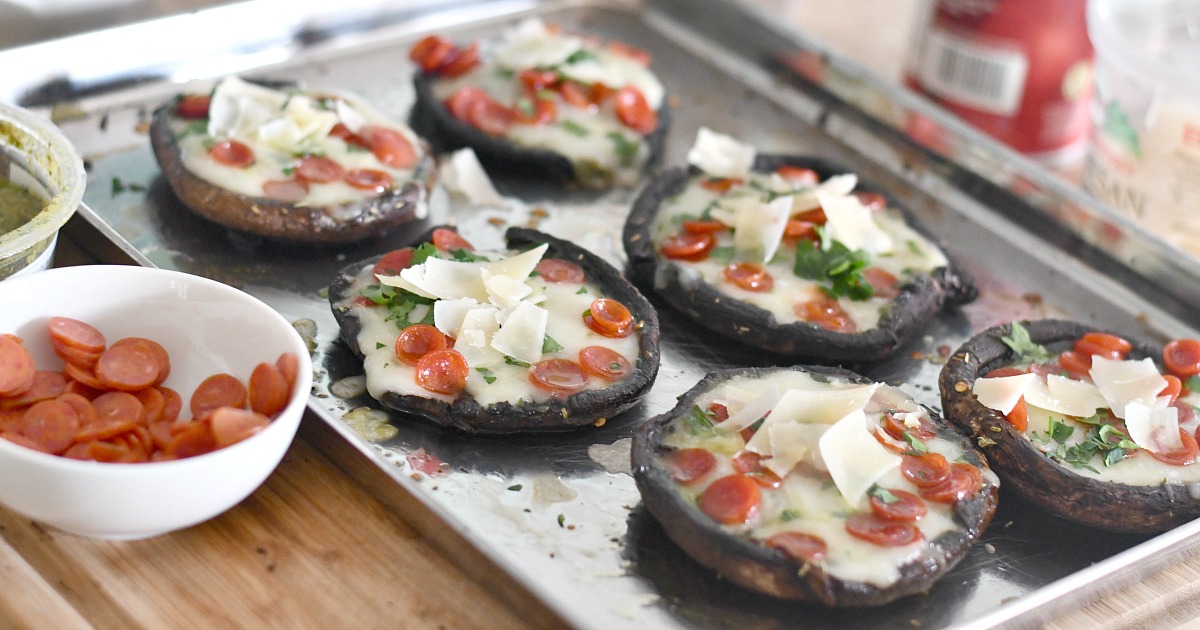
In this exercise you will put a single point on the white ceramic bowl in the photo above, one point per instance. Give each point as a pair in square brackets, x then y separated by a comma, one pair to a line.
[207, 327]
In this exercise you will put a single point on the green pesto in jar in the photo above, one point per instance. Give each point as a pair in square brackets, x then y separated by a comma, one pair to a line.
[18, 205]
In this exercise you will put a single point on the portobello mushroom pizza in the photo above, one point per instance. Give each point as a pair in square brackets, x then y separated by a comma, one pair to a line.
[540, 102]
[1083, 423]
[542, 336]
[813, 483]
[292, 165]
[789, 254]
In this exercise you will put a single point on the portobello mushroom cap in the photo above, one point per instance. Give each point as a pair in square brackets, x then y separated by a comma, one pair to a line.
[920, 299]
[754, 566]
[577, 410]
[343, 223]
[433, 120]
[1028, 472]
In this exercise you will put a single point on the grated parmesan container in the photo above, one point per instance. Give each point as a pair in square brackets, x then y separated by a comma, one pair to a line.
[36, 156]
[1145, 153]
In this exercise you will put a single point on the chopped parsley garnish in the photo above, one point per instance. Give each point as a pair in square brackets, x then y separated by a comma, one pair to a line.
[424, 252]
[289, 170]
[561, 519]
[506, 73]
[698, 421]
[195, 128]
[546, 95]
[580, 55]
[355, 148]
[914, 247]
[462, 255]
[517, 362]
[516, 487]
[838, 269]
[1103, 440]
[788, 515]
[581, 291]
[706, 214]
[626, 149]
[380, 346]
[820, 378]
[915, 445]
[722, 255]
[881, 493]
[614, 366]
[575, 128]
[119, 186]
[550, 345]
[1026, 350]
[487, 375]
[1193, 383]
[525, 106]
[400, 304]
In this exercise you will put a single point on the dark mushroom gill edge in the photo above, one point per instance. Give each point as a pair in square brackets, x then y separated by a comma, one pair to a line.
[918, 300]
[754, 566]
[582, 409]
[1026, 471]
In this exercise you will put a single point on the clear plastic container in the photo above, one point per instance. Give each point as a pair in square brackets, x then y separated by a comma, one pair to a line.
[1144, 158]
[35, 154]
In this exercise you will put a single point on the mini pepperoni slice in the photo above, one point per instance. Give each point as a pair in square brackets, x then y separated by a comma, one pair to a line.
[268, 390]
[76, 334]
[232, 153]
[393, 262]
[153, 401]
[827, 313]
[1018, 416]
[218, 390]
[799, 175]
[416, 341]
[749, 276]
[319, 169]
[172, 404]
[389, 146]
[881, 281]
[636, 54]
[718, 185]
[918, 426]
[609, 317]
[17, 438]
[448, 240]
[193, 106]
[16, 366]
[460, 61]
[1103, 344]
[119, 406]
[429, 52]
[289, 366]
[1076, 364]
[47, 384]
[689, 465]
[82, 406]
[290, 190]
[83, 376]
[898, 505]
[1182, 357]
[462, 100]
[1007, 370]
[490, 117]
[1184, 455]
[1173, 388]
[689, 246]
[883, 532]
[560, 271]
[368, 179]
[634, 111]
[703, 227]
[576, 94]
[133, 363]
[443, 371]
[75, 387]
[964, 481]
[81, 358]
[872, 200]
[558, 377]
[51, 423]
[731, 500]
[536, 111]
[189, 439]
[605, 362]
[230, 426]
[798, 546]
[925, 470]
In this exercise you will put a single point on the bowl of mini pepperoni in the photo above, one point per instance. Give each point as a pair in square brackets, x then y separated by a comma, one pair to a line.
[138, 401]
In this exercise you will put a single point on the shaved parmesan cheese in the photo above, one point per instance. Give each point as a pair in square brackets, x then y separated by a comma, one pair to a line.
[349, 116]
[1002, 392]
[447, 279]
[504, 291]
[792, 443]
[836, 186]
[1124, 382]
[300, 122]
[856, 460]
[240, 108]
[848, 220]
[523, 332]
[530, 45]
[1155, 429]
[1066, 396]
[750, 412]
[400, 282]
[448, 315]
[720, 155]
[820, 406]
[759, 227]
[474, 340]
[520, 266]
[463, 175]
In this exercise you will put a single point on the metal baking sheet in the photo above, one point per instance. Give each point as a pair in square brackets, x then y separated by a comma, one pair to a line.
[558, 516]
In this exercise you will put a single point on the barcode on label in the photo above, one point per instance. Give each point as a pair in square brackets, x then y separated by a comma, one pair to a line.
[987, 78]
